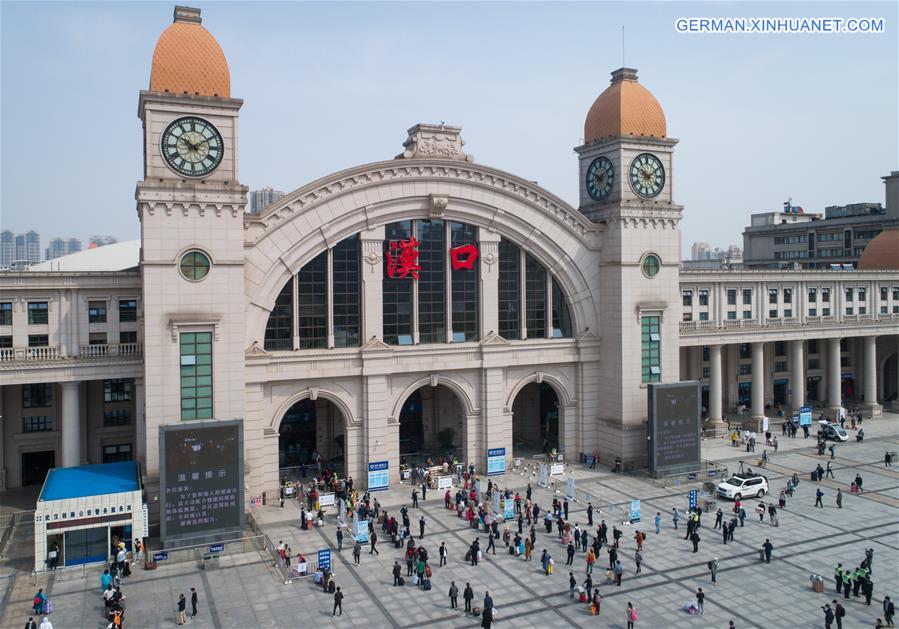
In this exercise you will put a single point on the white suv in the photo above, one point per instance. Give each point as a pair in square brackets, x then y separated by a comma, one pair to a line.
[740, 485]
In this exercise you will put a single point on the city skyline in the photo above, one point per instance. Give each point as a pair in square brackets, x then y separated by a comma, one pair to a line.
[744, 146]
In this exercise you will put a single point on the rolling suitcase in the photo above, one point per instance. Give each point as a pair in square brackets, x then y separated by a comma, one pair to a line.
[401, 581]
[48, 606]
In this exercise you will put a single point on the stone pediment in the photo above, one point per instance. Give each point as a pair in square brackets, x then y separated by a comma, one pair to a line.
[431, 141]
[494, 339]
[374, 344]
[256, 350]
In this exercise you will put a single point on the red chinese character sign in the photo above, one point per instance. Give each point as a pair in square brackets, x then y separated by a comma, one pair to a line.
[402, 259]
[464, 257]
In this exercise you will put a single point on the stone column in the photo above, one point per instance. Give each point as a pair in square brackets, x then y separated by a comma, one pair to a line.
[488, 250]
[715, 389]
[71, 424]
[381, 431]
[140, 423]
[758, 382]
[871, 405]
[834, 391]
[798, 375]
[372, 278]
[495, 419]
[3, 446]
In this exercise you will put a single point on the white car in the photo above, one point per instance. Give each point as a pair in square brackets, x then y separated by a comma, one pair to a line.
[741, 486]
[833, 432]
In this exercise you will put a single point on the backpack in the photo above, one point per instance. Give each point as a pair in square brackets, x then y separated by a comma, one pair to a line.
[841, 611]
[428, 571]
[633, 614]
[37, 600]
[710, 565]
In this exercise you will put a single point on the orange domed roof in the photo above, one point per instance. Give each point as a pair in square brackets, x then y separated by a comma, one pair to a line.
[882, 253]
[625, 108]
[189, 60]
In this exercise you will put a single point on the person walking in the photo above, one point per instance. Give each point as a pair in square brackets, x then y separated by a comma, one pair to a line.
[818, 496]
[675, 516]
[454, 595]
[719, 517]
[858, 482]
[887, 461]
[545, 560]
[491, 543]
[357, 552]
[618, 571]
[631, 615]
[839, 498]
[424, 491]
[570, 551]
[638, 559]
[415, 498]
[828, 616]
[572, 583]
[30, 624]
[339, 539]
[182, 605]
[839, 612]
[421, 527]
[397, 573]
[700, 600]
[590, 512]
[441, 552]
[194, 599]
[46, 624]
[373, 540]
[713, 569]
[767, 547]
[338, 603]
[694, 537]
[828, 473]
[889, 610]
[467, 596]
[658, 522]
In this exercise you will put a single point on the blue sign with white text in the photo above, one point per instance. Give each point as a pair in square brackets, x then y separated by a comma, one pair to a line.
[496, 461]
[216, 548]
[378, 477]
[805, 415]
[324, 559]
[635, 511]
[161, 555]
[694, 499]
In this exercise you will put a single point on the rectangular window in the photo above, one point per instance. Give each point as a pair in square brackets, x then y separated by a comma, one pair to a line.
[6, 313]
[705, 353]
[703, 316]
[745, 351]
[849, 293]
[397, 292]
[561, 314]
[37, 312]
[128, 337]
[745, 369]
[862, 293]
[772, 314]
[535, 298]
[347, 276]
[788, 314]
[687, 316]
[780, 366]
[38, 340]
[432, 281]
[813, 346]
[747, 314]
[687, 297]
[747, 296]
[279, 329]
[813, 312]
[812, 295]
[780, 348]
[883, 310]
[705, 372]
[651, 347]
[825, 295]
[813, 363]
[97, 338]
[703, 297]
[118, 390]
[117, 453]
[895, 294]
[731, 315]
[825, 312]
[127, 310]
[37, 395]
[772, 295]
[862, 310]
[849, 310]
[117, 417]
[465, 286]
[312, 303]
[788, 295]
[196, 375]
[731, 296]
[883, 293]
[509, 298]
[5, 342]
[37, 423]
[96, 312]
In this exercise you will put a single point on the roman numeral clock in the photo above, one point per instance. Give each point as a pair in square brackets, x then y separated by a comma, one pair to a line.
[647, 176]
[192, 146]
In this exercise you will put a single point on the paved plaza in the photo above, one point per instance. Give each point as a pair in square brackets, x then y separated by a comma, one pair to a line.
[246, 591]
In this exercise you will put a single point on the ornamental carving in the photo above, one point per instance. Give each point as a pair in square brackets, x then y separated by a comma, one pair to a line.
[428, 141]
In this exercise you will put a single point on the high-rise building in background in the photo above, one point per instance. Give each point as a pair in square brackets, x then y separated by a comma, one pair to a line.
[100, 241]
[59, 247]
[263, 197]
[28, 247]
[700, 251]
[7, 248]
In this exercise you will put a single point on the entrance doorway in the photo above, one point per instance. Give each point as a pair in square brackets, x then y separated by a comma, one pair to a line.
[535, 420]
[35, 466]
[310, 431]
[890, 378]
[432, 426]
[780, 392]
[86, 546]
[813, 388]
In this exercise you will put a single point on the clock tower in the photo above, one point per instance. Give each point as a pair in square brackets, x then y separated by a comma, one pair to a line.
[191, 207]
[626, 184]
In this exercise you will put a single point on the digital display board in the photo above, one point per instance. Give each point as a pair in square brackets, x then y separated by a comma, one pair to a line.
[201, 479]
[674, 427]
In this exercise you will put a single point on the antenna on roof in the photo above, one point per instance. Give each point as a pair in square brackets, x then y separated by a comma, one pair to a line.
[623, 64]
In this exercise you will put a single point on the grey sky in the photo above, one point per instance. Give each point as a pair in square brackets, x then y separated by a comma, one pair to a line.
[327, 86]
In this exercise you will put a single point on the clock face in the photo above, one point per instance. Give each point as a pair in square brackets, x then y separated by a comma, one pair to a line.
[647, 175]
[192, 147]
[600, 175]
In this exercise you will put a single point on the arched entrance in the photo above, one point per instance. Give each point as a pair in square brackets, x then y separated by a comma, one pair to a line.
[432, 425]
[311, 429]
[535, 420]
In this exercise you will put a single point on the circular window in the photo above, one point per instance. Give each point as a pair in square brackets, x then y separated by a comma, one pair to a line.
[651, 265]
[194, 265]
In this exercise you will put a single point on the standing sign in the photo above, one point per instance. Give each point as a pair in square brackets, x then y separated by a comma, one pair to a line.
[569, 489]
[326, 500]
[145, 531]
[324, 559]
[509, 509]
[444, 482]
[556, 468]
[765, 423]
[360, 530]
[635, 511]
[694, 499]
[805, 416]
[496, 461]
[542, 480]
[378, 478]
[496, 502]
[341, 511]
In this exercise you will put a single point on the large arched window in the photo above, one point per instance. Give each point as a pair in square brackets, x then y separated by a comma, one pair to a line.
[526, 286]
[325, 295]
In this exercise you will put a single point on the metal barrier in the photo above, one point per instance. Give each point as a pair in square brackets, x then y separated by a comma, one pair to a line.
[201, 552]
[269, 546]
[709, 471]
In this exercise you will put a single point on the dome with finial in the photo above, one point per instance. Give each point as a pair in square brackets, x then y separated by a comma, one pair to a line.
[882, 253]
[625, 108]
[188, 59]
